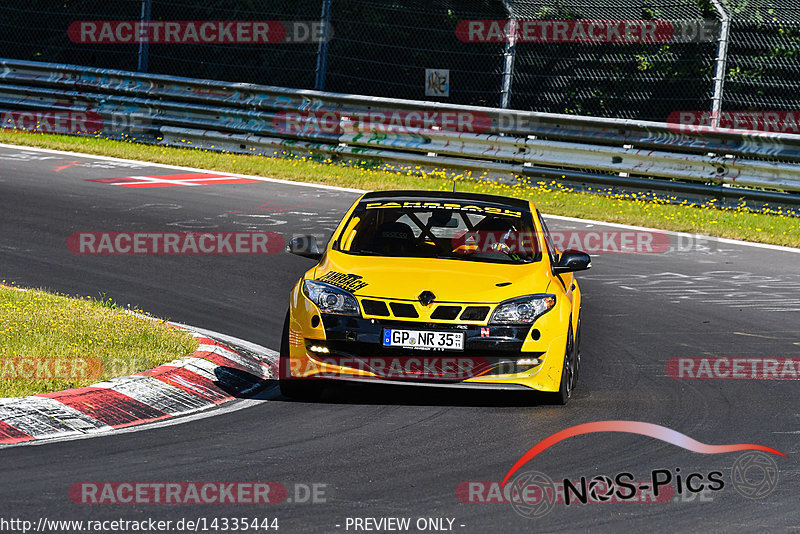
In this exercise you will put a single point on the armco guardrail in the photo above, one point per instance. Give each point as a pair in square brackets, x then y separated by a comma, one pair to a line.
[272, 120]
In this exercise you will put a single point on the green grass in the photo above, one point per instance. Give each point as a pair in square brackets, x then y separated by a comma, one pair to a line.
[50, 342]
[775, 226]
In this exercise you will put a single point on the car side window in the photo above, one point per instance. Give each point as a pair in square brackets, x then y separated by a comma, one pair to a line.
[548, 239]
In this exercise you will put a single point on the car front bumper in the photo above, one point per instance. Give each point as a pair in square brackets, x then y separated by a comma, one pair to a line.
[493, 356]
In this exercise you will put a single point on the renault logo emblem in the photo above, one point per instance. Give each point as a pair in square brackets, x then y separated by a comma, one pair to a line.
[426, 297]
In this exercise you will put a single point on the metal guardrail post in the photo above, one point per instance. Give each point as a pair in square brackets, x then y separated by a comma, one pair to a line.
[322, 49]
[509, 55]
[144, 32]
[721, 61]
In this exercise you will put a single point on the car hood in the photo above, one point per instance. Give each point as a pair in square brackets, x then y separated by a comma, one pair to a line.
[449, 280]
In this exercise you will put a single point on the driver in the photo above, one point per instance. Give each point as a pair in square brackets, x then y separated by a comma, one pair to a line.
[492, 234]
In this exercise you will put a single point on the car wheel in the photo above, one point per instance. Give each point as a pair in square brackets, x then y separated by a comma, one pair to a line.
[568, 372]
[294, 388]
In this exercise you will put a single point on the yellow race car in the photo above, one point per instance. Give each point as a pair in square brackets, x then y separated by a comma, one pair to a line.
[435, 288]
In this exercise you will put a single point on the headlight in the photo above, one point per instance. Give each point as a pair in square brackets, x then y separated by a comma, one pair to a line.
[331, 299]
[522, 310]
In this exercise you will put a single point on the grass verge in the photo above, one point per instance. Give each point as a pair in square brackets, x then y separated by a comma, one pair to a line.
[774, 227]
[50, 342]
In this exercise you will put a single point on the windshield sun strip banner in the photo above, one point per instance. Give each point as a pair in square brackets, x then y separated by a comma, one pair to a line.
[456, 206]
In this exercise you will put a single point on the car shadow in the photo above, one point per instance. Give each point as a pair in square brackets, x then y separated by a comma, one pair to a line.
[238, 383]
[411, 395]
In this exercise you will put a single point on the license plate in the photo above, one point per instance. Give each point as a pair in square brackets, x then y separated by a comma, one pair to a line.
[423, 339]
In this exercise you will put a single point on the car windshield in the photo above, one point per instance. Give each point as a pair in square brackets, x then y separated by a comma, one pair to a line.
[451, 230]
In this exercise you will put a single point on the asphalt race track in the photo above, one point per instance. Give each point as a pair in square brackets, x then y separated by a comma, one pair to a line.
[403, 451]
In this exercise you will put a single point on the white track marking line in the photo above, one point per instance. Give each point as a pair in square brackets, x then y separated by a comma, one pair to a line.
[142, 180]
[352, 190]
[181, 168]
[182, 181]
[681, 234]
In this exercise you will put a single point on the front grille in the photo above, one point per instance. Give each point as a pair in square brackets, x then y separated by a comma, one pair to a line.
[370, 331]
[447, 313]
[375, 307]
[400, 309]
[475, 313]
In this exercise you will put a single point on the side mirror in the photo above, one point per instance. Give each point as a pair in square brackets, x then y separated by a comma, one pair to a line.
[571, 261]
[306, 246]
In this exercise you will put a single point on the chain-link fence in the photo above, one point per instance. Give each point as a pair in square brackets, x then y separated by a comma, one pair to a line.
[642, 59]
[763, 60]
[638, 79]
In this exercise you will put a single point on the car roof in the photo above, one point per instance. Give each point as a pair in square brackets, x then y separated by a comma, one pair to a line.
[447, 195]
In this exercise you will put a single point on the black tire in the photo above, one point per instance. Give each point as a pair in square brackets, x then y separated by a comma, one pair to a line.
[577, 353]
[294, 388]
[569, 374]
